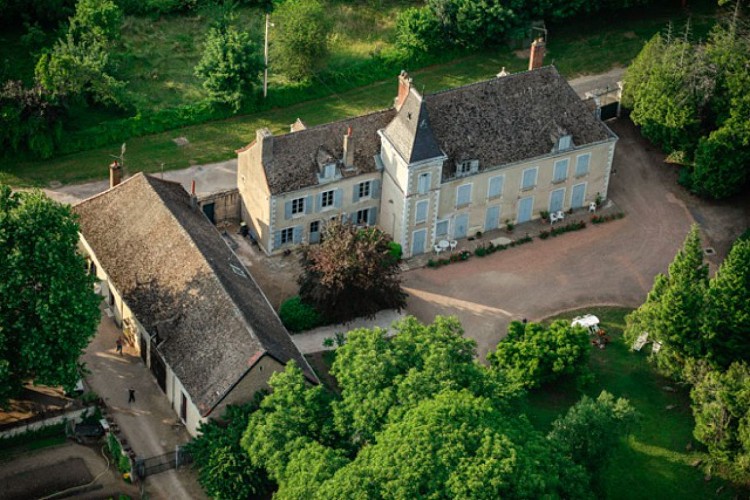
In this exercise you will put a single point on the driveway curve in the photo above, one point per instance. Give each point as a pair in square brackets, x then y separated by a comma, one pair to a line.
[608, 264]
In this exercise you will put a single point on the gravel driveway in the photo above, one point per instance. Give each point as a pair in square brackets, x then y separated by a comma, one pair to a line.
[608, 264]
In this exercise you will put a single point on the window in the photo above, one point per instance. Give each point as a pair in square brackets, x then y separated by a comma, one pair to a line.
[315, 226]
[495, 189]
[326, 199]
[467, 167]
[364, 189]
[424, 183]
[529, 179]
[582, 164]
[441, 228]
[287, 235]
[565, 142]
[560, 171]
[363, 216]
[329, 171]
[421, 212]
[463, 195]
[298, 206]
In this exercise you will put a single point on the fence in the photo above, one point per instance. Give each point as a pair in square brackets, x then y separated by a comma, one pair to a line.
[145, 467]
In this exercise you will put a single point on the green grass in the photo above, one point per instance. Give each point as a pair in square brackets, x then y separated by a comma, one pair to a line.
[163, 52]
[653, 462]
[30, 441]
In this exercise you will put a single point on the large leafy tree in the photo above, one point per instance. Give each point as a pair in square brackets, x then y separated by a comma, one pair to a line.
[30, 118]
[533, 354]
[721, 407]
[225, 469]
[48, 310]
[673, 311]
[230, 66]
[351, 273]
[301, 38]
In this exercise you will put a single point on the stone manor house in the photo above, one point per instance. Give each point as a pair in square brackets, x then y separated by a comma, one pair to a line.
[433, 167]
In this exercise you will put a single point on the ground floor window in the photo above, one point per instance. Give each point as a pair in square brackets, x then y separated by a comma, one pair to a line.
[363, 217]
[441, 228]
[287, 235]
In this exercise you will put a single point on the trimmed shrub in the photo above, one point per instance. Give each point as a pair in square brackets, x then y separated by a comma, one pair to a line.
[298, 316]
[395, 250]
[544, 235]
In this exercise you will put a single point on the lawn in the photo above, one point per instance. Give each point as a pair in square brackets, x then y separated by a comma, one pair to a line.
[159, 66]
[656, 461]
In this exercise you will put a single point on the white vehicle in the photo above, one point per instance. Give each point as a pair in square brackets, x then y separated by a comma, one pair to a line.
[589, 322]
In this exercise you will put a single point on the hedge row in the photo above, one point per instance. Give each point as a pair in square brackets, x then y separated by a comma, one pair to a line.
[379, 67]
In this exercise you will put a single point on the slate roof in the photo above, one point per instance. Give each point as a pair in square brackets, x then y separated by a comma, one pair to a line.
[183, 283]
[410, 131]
[294, 163]
[509, 119]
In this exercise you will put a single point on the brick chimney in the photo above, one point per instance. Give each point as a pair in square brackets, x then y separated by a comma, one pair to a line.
[348, 149]
[536, 59]
[264, 140]
[404, 85]
[193, 196]
[115, 174]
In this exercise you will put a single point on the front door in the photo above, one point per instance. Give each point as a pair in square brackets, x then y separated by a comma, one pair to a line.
[492, 219]
[461, 227]
[556, 200]
[417, 241]
[525, 208]
[579, 193]
[208, 209]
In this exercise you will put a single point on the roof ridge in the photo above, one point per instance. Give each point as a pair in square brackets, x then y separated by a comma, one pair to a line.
[97, 195]
[328, 124]
[507, 77]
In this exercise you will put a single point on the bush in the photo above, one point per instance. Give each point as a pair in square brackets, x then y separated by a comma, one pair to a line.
[395, 250]
[544, 235]
[480, 251]
[298, 316]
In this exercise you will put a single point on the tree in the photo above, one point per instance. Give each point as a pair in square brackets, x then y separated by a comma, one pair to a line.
[301, 38]
[533, 354]
[591, 429]
[96, 21]
[225, 469]
[457, 445]
[721, 407]
[230, 65]
[472, 24]
[350, 274]
[48, 311]
[31, 120]
[726, 322]
[672, 314]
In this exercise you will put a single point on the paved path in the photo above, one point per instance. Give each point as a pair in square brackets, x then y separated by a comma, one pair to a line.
[312, 341]
[214, 177]
[147, 423]
[608, 264]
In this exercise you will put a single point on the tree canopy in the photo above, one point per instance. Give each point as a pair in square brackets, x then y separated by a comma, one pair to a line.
[351, 273]
[533, 354]
[300, 38]
[48, 311]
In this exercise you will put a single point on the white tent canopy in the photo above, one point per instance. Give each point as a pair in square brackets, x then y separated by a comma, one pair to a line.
[588, 321]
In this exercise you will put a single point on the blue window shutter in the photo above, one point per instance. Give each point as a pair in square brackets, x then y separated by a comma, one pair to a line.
[318, 201]
[560, 170]
[297, 234]
[308, 204]
[496, 187]
[337, 198]
[463, 196]
[277, 239]
[355, 193]
[288, 210]
[372, 216]
[375, 188]
[529, 178]
[582, 165]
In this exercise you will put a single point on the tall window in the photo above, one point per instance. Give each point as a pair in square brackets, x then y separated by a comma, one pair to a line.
[463, 195]
[315, 226]
[421, 212]
[529, 178]
[363, 216]
[560, 171]
[495, 189]
[287, 235]
[364, 189]
[582, 164]
[326, 199]
[441, 228]
[423, 185]
[298, 206]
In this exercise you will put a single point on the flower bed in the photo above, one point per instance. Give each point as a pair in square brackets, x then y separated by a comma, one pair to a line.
[599, 219]
[456, 257]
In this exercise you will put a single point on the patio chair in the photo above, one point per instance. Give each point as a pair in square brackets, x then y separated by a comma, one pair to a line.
[454, 244]
[552, 218]
[437, 249]
[560, 215]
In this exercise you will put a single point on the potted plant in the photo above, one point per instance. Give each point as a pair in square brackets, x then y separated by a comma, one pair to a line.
[544, 214]
[509, 225]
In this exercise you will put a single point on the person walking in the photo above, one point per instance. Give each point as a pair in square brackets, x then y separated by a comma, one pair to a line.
[131, 396]
[119, 346]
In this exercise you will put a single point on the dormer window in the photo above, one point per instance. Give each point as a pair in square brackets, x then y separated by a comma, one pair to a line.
[329, 171]
[467, 167]
[564, 142]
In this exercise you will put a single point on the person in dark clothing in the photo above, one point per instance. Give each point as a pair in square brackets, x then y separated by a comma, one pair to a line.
[131, 395]
[119, 346]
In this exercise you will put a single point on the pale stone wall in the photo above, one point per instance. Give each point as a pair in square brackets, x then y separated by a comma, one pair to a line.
[226, 205]
[255, 205]
[253, 381]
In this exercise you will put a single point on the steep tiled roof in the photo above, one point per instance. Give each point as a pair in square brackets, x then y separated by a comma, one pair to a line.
[509, 119]
[294, 163]
[184, 284]
[410, 131]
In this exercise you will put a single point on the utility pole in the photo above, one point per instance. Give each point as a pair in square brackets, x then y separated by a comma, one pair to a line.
[265, 52]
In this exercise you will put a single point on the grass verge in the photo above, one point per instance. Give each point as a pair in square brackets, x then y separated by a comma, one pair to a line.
[45, 437]
[657, 460]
